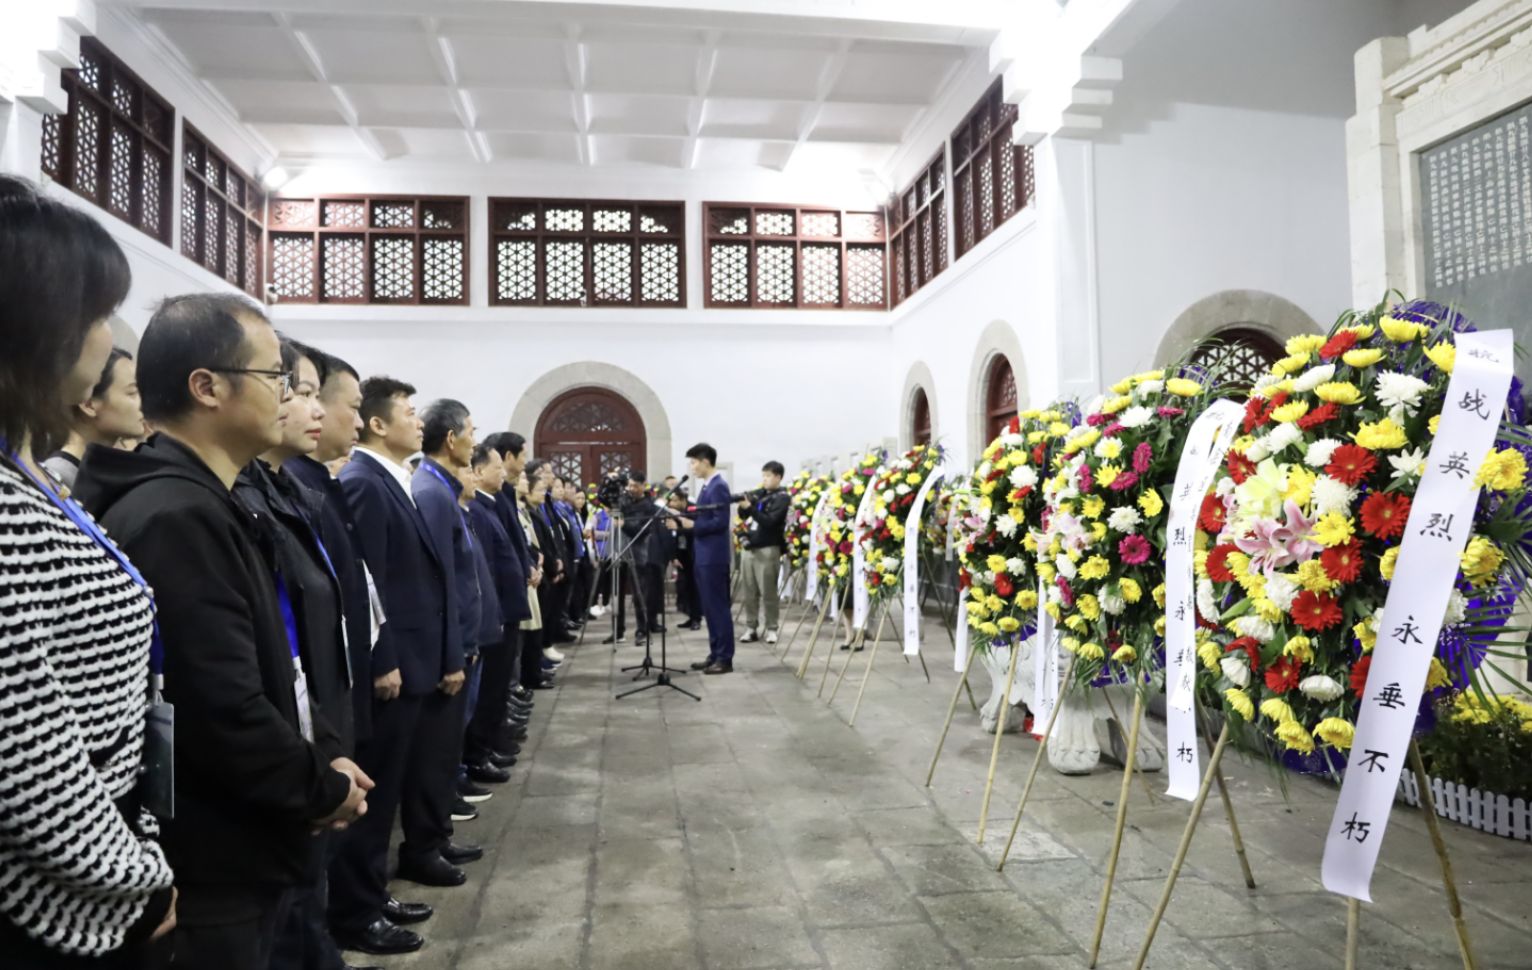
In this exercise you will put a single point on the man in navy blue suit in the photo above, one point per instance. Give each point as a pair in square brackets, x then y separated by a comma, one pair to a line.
[417, 667]
[712, 557]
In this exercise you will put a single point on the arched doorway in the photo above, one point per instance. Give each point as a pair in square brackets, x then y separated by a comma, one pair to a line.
[920, 432]
[999, 397]
[590, 432]
[1237, 355]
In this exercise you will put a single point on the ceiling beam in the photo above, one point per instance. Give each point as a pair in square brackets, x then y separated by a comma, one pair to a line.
[702, 81]
[829, 74]
[304, 47]
[577, 69]
[446, 65]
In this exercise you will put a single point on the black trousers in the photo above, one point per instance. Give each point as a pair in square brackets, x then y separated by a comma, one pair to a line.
[646, 601]
[580, 578]
[688, 603]
[303, 937]
[228, 928]
[484, 727]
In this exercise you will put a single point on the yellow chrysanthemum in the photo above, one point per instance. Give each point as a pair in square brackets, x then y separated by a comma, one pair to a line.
[989, 629]
[1266, 609]
[1366, 633]
[1029, 542]
[1401, 331]
[1076, 622]
[1312, 577]
[1380, 435]
[995, 563]
[1129, 590]
[1481, 560]
[1009, 624]
[1091, 651]
[1290, 412]
[1362, 357]
[1239, 701]
[1433, 424]
[1113, 405]
[1290, 364]
[913, 478]
[1502, 470]
[1300, 484]
[1159, 627]
[1026, 599]
[1151, 503]
[1444, 355]
[1107, 474]
[1276, 709]
[1436, 676]
[1159, 595]
[1337, 732]
[1334, 529]
[1089, 607]
[1338, 392]
[1092, 507]
[1305, 343]
[1183, 387]
[1110, 448]
[1200, 560]
[1295, 736]
[1387, 561]
[1096, 567]
[1300, 648]
[1046, 572]
[1071, 644]
[1098, 530]
[1053, 610]
[1125, 654]
[1210, 655]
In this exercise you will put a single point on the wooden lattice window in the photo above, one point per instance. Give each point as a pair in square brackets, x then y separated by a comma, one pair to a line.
[1237, 355]
[921, 418]
[220, 214]
[550, 252]
[917, 245]
[999, 397]
[796, 257]
[369, 249]
[113, 146]
[992, 179]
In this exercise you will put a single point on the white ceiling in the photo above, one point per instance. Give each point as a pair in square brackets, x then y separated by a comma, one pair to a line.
[703, 84]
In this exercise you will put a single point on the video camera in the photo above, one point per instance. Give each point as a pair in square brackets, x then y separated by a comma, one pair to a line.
[609, 493]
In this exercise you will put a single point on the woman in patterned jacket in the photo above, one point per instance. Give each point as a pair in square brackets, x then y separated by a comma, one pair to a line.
[82, 883]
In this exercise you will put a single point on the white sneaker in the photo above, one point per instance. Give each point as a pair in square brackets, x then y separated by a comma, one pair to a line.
[553, 655]
[771, 636]
[597, 611]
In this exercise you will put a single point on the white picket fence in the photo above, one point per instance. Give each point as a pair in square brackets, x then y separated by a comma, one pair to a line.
[1485, 811]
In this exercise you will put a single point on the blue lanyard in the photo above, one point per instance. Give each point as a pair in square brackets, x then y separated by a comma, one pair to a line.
[289, 621]
[467, 536]
[89, 526]
[324, 552]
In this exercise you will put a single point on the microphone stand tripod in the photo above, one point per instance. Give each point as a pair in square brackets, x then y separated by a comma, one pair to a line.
[661, 671]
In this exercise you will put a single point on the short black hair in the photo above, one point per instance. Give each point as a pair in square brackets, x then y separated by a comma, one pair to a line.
[704, 452]
[508, 443]
[441, 417]
[61, 274]
[329, 366]
[637, 475]
[533, 467]
[775, 467]
[378, 395]
[105, 383]
[483, 454]
[187, 333]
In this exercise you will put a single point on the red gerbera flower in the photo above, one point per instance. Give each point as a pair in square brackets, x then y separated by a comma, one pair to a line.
[1133, 549]
[872, 579]
[1282, 676]
[1384, 514]
[1359, 675]
[1003, 585]
[1315, 611]
[1014, 425]
[1252, 648]
[1343, 563]
[1351, 464]
[1212, 515]
[1240, 467]
[964, 579]
[1325, 412]
[1218, 563]
[1253, 414]
[1338, 344]
[1039, 453]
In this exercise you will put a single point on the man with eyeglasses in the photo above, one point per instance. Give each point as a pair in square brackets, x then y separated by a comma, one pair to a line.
[258, 770]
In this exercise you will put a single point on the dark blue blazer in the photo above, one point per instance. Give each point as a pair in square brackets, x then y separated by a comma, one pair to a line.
[436, 491]
[510, 517]
[331, 518]
[491, 626]
[712, 541]
[504, 562]
[420, 635]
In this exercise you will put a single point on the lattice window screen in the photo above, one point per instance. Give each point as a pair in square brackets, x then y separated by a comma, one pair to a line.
[821, 275]
[918, 226]
[345, 268]
[730, 269]
[612, 271]
[588, 253]
[220, 208]
[515, 271]
[992, 175]
[442, 265]
[660, 272]
[790, 256]
[292, 266]
[865, 286]
[393, 269]
[775, 273]
[564, 271]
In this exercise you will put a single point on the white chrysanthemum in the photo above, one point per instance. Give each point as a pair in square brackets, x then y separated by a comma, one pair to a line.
[1332, 495]
[890, 564]
[1055, 595]
[888, 495]
[1124, 518]
[1111, 603]
[902, 489]
[1236, 668]
[982, 472]
[1457, 609]
[1401, 391]
[1006, 526]
[1066, 566]
[1408, 464]
[1320, 687]
[1012, 439]
[1251, 625]
[1263, 382]
[1016, 566]
[1207, 604]
[1313, 377]
[1147, 388]
[1258, 450]
[1024, 476]
[1284, 436]
[1320, 452]
[1135, 417]
[1281, 590]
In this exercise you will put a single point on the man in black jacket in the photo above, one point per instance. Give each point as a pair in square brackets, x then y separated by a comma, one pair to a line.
[257, 770]
[417, 666]
[513, 452]
[632, 520]
[766, 512]
[485, 741]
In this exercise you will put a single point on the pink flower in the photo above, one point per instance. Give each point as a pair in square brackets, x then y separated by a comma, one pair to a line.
[1065, 592]
[1096, 419]
[1086, 481]
[1134, 549]
[1124, 481]
[1142, 456]
[1112, 430]
[1272, 545]
[1169, 412]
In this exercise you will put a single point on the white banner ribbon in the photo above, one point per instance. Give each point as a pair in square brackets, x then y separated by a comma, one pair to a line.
[912, 562]
[1045, 665]
[1440, 520]
[859, 599]
[813, 585]
[960, 638]
[1206, 443]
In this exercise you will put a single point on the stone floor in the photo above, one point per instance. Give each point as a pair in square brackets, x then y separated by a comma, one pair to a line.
[757, 830]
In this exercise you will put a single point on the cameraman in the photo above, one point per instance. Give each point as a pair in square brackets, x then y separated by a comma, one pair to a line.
[634, 512]
[765, 509]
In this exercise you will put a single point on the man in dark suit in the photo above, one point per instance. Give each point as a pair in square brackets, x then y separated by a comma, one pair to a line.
[513, 452]
[712, 554]
[257, 769]
[416, 667]
[485, 741]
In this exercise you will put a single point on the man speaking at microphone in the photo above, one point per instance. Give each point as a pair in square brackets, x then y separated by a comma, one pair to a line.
[712, 556]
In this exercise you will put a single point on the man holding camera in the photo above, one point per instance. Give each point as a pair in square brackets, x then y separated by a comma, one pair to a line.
[765, 509]
[633, 516]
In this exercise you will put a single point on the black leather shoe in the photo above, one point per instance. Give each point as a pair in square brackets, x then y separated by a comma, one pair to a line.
[516, 732]
[693, 625]
[461, 811]
[517, 720]
[522, 706]
[434, 871]
[621, 638]
[471, 793]
[657, 628]
[719, 669]
[381, 937]
[459, 854]
[500, 760]
[702, 664]
[403, 914]
[547, 684]
[519, 693]
[487, 774]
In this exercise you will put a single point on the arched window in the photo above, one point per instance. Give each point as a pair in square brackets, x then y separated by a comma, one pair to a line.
[921, 418]
[1237, 355]
[999, 397]
[589, 433]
